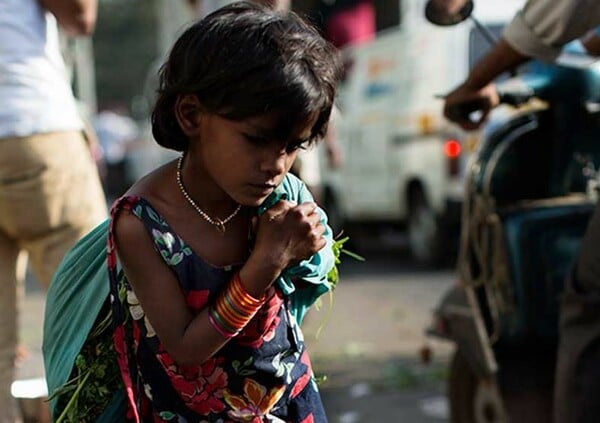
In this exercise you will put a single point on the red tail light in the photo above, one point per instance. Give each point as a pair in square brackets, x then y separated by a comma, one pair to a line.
[452, 151]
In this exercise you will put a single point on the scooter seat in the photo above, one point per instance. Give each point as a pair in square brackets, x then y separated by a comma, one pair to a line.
[542, 241]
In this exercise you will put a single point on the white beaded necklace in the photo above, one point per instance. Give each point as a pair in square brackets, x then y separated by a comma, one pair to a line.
[218, 223]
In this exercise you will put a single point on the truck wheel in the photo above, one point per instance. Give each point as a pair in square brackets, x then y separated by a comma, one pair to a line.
[423, 231]
[471, 399]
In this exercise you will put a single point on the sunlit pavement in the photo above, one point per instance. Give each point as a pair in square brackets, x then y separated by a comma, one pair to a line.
[370, 340]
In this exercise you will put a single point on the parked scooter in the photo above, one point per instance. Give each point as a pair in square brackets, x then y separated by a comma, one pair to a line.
[529, 194]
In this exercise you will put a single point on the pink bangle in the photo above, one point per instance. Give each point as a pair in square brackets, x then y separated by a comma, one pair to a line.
[223, 332]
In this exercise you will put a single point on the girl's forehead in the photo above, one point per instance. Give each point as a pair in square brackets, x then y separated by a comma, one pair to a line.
[281, 125]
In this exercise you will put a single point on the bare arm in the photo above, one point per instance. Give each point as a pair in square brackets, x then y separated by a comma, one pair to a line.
[478, 87]
[76, 17]
[501, 58]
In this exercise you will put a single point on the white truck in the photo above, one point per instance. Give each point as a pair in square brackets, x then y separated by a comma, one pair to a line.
[403, 163]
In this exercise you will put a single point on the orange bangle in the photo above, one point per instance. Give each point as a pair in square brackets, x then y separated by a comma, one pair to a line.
[229, 302]
[228, 314]
[234, 308]
[240, 292]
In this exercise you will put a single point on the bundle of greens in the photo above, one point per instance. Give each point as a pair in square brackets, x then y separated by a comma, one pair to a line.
[333, 276]
[95, 377]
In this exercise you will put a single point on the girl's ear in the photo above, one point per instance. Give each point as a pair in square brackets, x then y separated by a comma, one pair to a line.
[187, 112]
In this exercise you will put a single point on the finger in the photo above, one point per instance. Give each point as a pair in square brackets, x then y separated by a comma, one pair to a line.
[307, 209]
[318, 240]
[319, 229]
[279, 209]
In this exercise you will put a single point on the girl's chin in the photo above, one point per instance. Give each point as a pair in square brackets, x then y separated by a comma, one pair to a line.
[253, 201]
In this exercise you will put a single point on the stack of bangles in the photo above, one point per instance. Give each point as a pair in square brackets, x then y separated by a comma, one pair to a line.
[233, 309]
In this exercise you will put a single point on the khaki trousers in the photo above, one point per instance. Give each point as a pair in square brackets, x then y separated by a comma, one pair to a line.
[50, 196]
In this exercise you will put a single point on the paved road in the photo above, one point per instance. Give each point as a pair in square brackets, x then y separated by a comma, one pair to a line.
[369, 342]
[366, 342]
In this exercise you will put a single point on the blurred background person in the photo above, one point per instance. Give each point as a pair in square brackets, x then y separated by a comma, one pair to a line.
[50, 191]
[118, 134]
[348, 21]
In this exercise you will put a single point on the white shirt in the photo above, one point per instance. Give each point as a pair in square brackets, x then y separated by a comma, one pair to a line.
[115, 133]
[34, 92]
[542, 27]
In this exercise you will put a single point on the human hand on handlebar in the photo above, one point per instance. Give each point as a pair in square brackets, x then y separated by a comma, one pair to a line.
[465, 99]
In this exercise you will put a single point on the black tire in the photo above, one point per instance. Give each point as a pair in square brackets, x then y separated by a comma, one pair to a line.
[472, 400]
[425, 236]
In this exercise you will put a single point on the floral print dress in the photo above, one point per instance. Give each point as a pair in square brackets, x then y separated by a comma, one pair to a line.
[261, 375]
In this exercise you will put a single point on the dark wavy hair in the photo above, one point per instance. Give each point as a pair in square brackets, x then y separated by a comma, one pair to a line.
[243, 61]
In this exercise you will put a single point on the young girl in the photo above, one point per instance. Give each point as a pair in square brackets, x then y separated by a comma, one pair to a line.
[222, 251]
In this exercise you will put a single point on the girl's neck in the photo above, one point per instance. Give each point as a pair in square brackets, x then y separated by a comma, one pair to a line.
[204, 191]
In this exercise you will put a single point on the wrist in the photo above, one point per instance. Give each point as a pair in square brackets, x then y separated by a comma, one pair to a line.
[475, 82]
[259, 273]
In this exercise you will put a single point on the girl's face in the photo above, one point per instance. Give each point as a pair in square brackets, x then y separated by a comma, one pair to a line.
[244, 158]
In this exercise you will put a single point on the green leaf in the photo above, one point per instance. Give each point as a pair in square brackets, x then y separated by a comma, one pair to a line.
[176, 259]
[167, 415]
[152, 214]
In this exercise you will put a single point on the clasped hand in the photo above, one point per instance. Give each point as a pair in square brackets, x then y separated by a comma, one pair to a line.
[464, 100]
[288, 233]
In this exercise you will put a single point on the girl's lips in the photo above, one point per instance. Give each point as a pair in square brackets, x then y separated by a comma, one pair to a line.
[264, 185]
[264, 188]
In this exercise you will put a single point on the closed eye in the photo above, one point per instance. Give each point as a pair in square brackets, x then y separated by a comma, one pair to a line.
[297, 145]
[255, 139]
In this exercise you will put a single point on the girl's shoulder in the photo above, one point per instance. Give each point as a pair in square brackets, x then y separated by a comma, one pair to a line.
[154, 184]
[151, 192]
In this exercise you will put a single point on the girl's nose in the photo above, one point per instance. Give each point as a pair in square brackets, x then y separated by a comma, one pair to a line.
[274, 162]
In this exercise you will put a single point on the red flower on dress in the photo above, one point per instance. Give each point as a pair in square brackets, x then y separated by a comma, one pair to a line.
[263, 325]
[308, 419]
[197, 300]
[304, 379]
[200, 387]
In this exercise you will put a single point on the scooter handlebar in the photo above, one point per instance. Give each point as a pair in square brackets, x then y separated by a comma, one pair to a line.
[514, 97]
[463, 111]
[513, 94]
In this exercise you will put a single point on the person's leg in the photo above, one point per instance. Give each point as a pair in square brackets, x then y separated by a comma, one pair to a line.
[11, 270]
[62, 202]
[50, 196]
